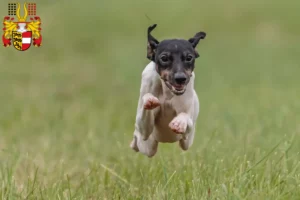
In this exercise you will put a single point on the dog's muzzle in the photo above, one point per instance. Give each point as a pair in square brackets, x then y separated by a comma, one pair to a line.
[177, 90]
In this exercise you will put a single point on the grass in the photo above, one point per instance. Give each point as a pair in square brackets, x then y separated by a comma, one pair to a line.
[68, 108]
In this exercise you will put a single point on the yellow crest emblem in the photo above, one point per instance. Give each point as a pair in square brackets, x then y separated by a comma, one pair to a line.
[23, 32]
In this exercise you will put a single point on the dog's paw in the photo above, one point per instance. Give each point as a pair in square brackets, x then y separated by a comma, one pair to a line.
[178, 125]
[151, 102]
[133, 144]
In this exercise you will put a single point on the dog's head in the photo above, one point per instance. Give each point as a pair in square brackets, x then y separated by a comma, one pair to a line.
[174, 58]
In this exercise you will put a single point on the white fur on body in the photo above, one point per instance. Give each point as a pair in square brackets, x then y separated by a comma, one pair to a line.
[162, 116]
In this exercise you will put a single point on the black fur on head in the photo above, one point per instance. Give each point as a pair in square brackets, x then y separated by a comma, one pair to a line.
[174, 58]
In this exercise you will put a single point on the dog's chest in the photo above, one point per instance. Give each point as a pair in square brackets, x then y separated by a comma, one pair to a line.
[166, 110]
[163, 118]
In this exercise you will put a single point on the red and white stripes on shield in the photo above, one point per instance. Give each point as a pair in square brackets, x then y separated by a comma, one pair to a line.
[26, 40]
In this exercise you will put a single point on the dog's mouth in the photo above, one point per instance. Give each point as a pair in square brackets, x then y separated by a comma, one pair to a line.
[176, 89]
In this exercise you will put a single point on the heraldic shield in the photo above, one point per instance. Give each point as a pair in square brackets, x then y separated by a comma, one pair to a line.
[22, 40]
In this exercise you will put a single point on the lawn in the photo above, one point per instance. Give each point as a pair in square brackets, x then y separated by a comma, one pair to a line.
[67, 109]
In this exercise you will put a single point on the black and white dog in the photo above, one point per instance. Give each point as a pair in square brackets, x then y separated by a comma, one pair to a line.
[168, 105]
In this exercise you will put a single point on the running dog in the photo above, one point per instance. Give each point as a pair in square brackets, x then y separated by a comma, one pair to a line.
[168, 105]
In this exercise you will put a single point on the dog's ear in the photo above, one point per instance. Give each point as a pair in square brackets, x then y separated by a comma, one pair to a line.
[152, 44]
[195, 40]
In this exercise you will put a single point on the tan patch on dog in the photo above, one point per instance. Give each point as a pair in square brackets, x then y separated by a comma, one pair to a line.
[189, 72]
[150, 51]
[164, 74]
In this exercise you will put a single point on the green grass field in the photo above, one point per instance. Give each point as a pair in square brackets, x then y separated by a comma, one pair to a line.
[67, 109]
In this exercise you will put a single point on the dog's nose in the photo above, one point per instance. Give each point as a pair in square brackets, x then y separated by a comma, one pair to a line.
[180, 78]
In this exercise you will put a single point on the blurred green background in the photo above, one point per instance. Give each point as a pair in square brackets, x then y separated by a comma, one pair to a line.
[67, 109]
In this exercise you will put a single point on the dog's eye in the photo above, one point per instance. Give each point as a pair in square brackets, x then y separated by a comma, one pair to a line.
[189, 58]
[164, 58]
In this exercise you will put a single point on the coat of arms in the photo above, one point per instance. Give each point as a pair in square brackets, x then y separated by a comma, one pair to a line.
[23, 32]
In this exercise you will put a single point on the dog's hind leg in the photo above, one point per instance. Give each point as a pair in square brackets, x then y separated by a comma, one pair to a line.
[133, 144]
[147, 147]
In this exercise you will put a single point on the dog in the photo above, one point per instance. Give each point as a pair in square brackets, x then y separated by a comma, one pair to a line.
[168, 105]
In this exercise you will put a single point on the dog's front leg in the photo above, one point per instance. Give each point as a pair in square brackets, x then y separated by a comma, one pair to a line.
[143, 141]
[145, 117]
[183, 124]
[148, 105]
[185, 121]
